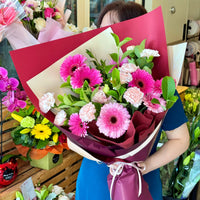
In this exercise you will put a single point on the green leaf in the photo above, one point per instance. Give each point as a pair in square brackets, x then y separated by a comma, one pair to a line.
[42, 143]
[80, 103]
[67, 84]
[67, 101]
[72, 110]
[115, 77]
[113, 93]
[30, 110]
[124, 41]
[115, 57]
[196, 133]
[54, 129]
[186, 161]
[126, 53]
[83, 96]
[147, 69]
[139, 48]
[94, 92]
[89, 53]
[171, 101]
[60, 98]
[108, 68]
[155, 101]
[116, 38]
[168, 87]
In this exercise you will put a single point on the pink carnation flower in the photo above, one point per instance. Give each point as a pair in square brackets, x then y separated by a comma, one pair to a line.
[87, 112]
[76, 126]
[113, 120]
[100, 97]
[128, 67]
[134, 96]
[125, 77]
[156, 108]
[60, 118]
[92, 76]
[143, 80]
[70, 64]
[46, 102]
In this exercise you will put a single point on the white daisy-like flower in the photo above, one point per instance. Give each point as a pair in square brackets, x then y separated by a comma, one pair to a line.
[149, 52]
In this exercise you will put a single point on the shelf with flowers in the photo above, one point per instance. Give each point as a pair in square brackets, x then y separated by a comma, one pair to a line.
[180, 176]
[34, 136]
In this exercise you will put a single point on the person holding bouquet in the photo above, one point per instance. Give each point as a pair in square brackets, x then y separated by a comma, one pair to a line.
[92, 179]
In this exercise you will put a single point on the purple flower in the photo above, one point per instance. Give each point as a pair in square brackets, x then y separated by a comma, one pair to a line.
[3, 74]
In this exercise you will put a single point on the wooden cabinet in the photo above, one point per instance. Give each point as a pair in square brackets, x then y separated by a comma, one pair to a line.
[175, 14]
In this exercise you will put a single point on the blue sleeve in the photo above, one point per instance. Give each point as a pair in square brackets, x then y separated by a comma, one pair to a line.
[175, 116]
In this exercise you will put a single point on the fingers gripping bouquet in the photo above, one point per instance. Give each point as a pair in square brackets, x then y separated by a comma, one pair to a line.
[114, 111]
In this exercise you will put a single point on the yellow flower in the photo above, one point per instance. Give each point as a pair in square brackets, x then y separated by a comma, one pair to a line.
[45, 121]
[55, 137]
[16, 117]
[41, 131]
[26, 130]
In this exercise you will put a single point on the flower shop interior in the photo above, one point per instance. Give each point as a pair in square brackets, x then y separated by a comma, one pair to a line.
[50, 171]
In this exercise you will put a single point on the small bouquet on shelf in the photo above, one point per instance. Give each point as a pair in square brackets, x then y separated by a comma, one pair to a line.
[112, 98]
[35, 136]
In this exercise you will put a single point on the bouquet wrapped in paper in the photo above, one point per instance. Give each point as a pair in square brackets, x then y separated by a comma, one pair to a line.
[112, 98]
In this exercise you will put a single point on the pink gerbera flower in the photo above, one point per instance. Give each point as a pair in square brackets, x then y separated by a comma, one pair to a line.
[76, 126]
[157, 87]
[143, 80]
[70, 64]
[92, 76]
[113, 120]
[156, 108]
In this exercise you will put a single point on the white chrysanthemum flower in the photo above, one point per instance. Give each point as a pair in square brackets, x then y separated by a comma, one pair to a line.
[149, 52]
[46, 102]
[40, 23]
[57, 189]
[60, 118]
[87, 112]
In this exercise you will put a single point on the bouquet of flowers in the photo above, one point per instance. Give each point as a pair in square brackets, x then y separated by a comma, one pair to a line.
[35, 135]
[30, 22]
[109, 103]
[52, 192]
[106, 96]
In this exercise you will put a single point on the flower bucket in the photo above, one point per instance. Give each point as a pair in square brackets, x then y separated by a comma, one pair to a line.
[47, 162]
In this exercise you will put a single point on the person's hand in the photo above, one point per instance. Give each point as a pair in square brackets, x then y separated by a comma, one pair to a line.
[142, 166]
